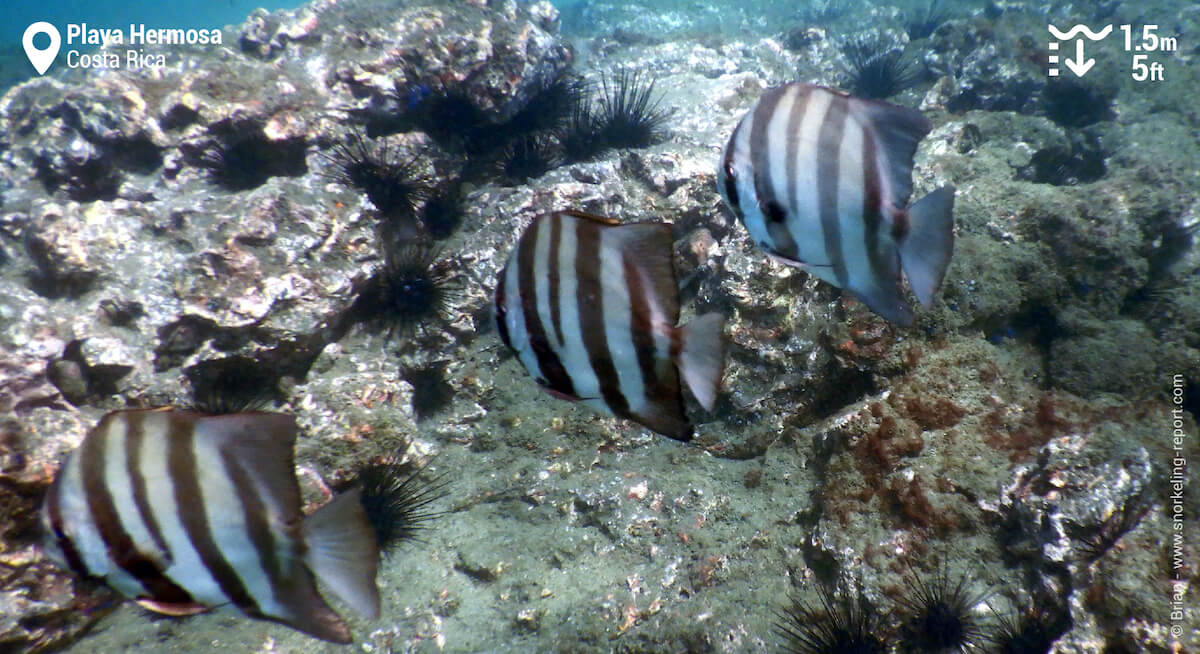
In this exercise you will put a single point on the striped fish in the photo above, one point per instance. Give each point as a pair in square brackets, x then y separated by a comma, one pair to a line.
[590, 307]
[821, 180]
[185, 511]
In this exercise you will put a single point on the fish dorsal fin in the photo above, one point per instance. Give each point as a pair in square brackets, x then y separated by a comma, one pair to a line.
[264, 441]
[261, 444]
[343, 553]
[254, 431]
[647, 248]
[603, 220]
[898, 130]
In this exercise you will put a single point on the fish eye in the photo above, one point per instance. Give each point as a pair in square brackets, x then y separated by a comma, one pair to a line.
[729, 170]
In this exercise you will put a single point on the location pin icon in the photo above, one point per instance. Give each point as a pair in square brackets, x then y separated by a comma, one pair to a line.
[41, 59]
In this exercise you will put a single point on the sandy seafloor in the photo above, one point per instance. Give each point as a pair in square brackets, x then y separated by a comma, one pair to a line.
[1020, 435]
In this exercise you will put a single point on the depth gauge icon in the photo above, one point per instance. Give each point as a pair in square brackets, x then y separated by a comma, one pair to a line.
[1078, 65]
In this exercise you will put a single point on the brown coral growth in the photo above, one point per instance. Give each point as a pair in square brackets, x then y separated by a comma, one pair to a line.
[933, 412]
[1021, 431]
[909, 501]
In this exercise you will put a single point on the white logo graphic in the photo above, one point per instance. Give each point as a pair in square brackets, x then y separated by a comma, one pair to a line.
[41, 59]
[1078, 65]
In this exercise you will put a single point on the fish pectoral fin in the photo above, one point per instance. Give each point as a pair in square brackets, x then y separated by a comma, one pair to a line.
[169, 608]
[559, 394]
[925, 250]
[795, 263]
[702, 357]
[343, 552]
[822, 271]
[780, 259]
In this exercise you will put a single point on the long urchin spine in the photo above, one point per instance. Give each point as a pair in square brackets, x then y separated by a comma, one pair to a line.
[398, 504]
[837, 624]
[940, 614]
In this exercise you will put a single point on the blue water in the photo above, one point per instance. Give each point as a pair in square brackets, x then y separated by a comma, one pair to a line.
[112, 14]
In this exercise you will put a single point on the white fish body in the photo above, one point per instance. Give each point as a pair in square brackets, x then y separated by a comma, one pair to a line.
[590, 308]
[821, 181]
[184, 511]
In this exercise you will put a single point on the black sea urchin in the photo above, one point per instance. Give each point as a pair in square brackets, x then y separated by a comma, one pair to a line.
[237, 166]
[232, 385]
[526, 157]
[921, 23]
[398, 504]
[839, 625]
[443, 210]
[940, 614]
[412, 286]
[629, 114]
[449, 117]
[1032, 632]
[430, 390]
[248, 162]
[1096, 541]
[394, 183]
[581, 136]
[877, 67]
[1073, 103]
[550, 107]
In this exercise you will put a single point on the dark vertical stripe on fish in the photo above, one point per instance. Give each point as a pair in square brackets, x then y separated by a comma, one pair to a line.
[121, 551]
[731, 192]
[181, 468]
[255, 515]
[642, 329]
[795, 116]
[552, 272]
[54, 512]
[553, 373]
[502, 309]
[589, 299]
[872, 204]
[899, 226]
[828, 145]
[760, 159]
[135, 433]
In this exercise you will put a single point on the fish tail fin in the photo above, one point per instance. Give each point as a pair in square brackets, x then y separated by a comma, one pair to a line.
[925, 251]
[342, 551]
[702, 357]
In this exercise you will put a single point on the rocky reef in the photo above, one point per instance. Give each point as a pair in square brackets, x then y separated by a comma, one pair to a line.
[193, 230]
